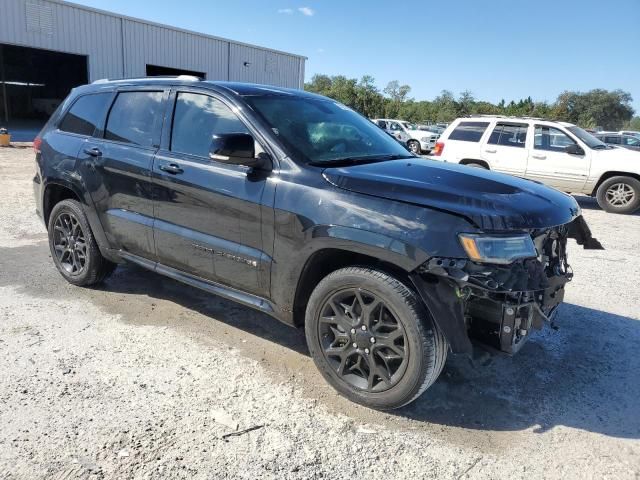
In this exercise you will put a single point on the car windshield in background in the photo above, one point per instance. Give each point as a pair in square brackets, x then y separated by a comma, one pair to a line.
[324, 131]
[586, 137]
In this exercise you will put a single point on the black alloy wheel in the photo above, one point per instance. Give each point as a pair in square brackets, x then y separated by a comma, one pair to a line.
[69, 243]
[362, 339]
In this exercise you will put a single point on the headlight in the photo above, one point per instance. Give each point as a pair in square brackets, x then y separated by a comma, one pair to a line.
[497, 249]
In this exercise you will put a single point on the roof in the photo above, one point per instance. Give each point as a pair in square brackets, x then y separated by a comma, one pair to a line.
[508, 117]
[170, 27]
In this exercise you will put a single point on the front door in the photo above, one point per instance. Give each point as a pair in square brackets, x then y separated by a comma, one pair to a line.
[118, 169]
[208, 219]
[549, 163]
[505, 149]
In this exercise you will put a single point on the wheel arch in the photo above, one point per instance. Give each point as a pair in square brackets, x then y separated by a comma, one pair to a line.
[54, 193]
[612, 173]
[326, 260]
[467, 161]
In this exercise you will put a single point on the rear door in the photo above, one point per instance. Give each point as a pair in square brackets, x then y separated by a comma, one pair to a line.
[119, 166]
[550, 164]
[505, 149]
[208, 217]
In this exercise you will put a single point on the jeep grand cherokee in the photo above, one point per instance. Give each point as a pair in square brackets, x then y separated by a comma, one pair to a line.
[295, 205]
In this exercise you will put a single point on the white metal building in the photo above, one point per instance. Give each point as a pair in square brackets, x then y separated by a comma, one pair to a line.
[49, 46]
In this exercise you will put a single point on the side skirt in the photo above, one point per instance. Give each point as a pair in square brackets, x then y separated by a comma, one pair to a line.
[253, 301]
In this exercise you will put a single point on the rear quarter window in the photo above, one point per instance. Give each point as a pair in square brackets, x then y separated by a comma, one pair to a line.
[85, 114]
[469, 131]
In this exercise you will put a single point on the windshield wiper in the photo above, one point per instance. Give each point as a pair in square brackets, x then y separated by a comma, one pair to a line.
[361, 159]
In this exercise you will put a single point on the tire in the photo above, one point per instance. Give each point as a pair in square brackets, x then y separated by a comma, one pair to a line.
[344, 352]
[73, 247]
[619, 195]
[476, 165]
[414, 147]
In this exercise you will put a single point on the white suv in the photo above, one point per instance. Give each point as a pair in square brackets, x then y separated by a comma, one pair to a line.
[555, 153]
[416, 139]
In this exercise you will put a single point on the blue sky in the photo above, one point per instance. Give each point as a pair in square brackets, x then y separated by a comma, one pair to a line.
[494, 48]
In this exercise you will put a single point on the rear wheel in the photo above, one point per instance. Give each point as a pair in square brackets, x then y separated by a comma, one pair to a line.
[414, 146]
[372, 339]
[73, 247]
[619, 195]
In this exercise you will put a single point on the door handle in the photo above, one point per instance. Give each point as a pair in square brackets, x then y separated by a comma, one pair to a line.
[491, 151]
[171, 168]
[93, 152]
[539, 157]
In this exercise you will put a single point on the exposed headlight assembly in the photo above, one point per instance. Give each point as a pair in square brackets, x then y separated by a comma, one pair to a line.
[497, 248]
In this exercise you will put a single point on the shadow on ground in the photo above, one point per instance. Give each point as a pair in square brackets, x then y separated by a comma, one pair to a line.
[583, 374]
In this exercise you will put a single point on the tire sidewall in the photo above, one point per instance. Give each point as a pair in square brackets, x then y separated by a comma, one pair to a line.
[601, 195]
[414, 320]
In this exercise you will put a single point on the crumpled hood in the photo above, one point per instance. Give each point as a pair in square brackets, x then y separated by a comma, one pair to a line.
[492, 201]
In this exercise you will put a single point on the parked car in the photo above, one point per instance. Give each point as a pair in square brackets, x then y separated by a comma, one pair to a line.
[437, 129]
[635, 133]
[620, 140]
[558, 154]
[297, 206]
[417, 140]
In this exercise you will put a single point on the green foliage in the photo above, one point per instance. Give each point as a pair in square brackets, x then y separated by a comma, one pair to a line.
[610, 110]
[633, 124]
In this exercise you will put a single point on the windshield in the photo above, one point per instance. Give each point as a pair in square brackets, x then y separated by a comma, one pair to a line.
[319, 130]
[586, 137]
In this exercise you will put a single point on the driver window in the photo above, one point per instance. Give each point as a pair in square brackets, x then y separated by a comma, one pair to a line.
[197, 118]
[551, 139]
[395, 127]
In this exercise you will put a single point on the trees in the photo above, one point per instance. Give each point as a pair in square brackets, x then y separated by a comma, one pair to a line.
[610, 110]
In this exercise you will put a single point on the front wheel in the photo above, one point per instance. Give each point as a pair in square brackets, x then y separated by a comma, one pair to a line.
[372, 339]
[414, 146]
[619, 195]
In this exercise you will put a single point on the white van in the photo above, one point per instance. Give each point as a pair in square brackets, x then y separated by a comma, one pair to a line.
[558, 154]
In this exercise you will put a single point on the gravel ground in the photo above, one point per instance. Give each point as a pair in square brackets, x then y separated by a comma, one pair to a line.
[144, 378]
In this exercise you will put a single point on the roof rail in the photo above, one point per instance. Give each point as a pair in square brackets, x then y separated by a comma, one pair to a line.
[524, 117]
[189, 78]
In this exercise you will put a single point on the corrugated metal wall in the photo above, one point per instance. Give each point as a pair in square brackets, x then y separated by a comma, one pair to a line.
[122, 47]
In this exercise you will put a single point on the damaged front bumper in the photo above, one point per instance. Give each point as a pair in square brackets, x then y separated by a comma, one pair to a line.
[500, 305]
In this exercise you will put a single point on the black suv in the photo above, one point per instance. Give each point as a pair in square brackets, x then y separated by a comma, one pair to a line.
[294, 204]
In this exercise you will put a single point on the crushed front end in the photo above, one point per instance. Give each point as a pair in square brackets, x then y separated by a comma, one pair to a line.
[499, 304]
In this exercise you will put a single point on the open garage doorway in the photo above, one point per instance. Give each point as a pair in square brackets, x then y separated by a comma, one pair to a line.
[33, 82]
[157, 71]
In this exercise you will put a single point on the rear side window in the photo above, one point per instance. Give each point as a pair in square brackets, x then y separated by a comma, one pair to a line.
[136, 117]
[615, 140]
[196, 119]
[509, 135]
[85, 114]
[469, 131]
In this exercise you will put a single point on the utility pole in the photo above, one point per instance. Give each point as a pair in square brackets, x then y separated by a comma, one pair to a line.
[5, 103]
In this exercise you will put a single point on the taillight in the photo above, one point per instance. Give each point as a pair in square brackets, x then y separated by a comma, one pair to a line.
[37, 142]
[437, 150]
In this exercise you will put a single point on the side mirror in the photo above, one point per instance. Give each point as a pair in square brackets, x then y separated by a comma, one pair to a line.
[574, 149]
[235, 149]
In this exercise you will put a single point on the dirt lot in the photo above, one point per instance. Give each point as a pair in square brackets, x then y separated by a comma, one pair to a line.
[142, 378]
